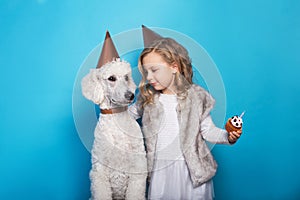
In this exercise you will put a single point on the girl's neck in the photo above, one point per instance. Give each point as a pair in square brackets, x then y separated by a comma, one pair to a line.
[168, 92]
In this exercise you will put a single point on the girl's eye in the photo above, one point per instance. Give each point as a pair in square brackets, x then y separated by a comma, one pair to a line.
[154, 70]
[112, 78]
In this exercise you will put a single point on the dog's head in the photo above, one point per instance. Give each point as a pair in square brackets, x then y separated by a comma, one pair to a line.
[110, 86]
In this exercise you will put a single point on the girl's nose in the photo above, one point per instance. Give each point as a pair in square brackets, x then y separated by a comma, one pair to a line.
[149, 76]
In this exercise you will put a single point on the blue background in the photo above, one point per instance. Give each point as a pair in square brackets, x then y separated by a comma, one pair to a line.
[255, 45]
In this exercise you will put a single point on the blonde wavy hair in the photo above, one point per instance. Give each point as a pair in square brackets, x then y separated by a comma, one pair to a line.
[171, 51]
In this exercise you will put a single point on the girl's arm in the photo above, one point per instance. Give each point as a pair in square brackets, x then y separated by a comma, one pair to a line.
[213, 134]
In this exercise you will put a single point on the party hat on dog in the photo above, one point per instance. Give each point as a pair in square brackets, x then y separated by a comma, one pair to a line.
[109, 52]
[149, 36]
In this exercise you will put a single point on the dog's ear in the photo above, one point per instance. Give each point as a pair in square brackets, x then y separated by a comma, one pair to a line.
[92, 87]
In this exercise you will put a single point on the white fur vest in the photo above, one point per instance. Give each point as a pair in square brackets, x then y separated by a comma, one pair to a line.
[190, 111]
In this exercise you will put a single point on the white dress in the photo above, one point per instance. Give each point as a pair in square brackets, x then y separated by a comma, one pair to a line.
[170, 178]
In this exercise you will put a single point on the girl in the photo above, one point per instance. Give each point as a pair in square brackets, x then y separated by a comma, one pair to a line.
[176, 123]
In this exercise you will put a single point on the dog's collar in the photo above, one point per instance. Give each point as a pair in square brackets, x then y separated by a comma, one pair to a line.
[113, 110]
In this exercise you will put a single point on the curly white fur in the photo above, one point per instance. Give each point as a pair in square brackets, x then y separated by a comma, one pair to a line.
[119, 166]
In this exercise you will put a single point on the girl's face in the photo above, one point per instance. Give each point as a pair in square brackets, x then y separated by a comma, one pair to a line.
[159, 73]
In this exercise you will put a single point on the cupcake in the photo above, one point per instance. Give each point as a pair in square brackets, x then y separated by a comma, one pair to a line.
[234, 123]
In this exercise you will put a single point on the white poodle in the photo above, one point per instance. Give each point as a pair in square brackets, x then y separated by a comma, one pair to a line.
[119, 166]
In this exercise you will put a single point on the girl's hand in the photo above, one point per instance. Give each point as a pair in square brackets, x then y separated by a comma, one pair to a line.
[233, 136]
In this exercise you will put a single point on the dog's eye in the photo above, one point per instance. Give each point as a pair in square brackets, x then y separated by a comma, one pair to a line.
[112, 78]
[126, 78]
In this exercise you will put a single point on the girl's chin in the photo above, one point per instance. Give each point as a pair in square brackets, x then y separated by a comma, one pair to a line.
[158, 87]
[162, 89]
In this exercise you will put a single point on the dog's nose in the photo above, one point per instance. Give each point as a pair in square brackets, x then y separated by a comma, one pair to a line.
[129, 95]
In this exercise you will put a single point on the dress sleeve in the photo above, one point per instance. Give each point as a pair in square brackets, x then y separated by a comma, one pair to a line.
[211, 133]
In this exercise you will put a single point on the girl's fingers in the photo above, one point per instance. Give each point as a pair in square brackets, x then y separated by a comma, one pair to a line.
[234, 135]
[232, 139]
